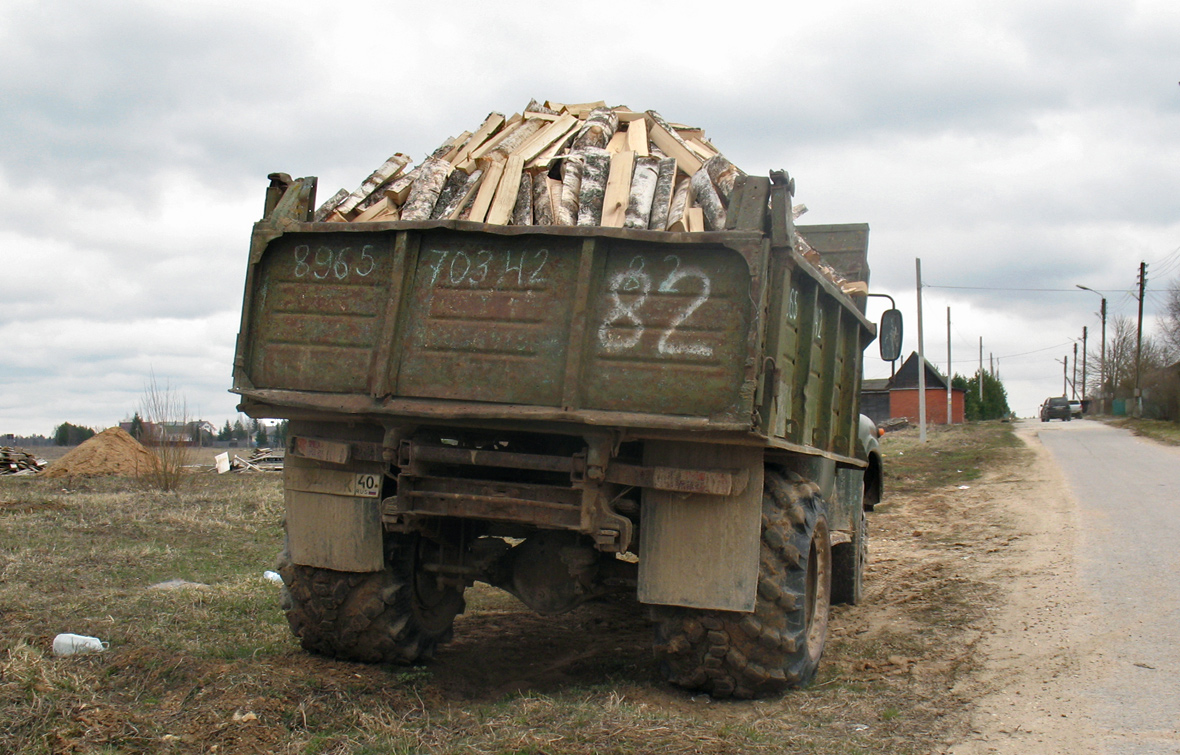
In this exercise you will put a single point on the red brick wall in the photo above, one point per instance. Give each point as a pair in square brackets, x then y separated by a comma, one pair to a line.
[903, 402]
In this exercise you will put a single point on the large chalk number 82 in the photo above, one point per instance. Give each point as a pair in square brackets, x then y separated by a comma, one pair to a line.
[637, 282]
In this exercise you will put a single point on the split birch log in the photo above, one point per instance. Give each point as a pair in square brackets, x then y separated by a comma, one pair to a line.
[678, 206]
[522, 214]
[328, 207]
[696, 220]
[509, 128]
[555, 187]
[542, 204]
[595, 168]
[642, 193]
[500, 213]
[600, 126]
[637, 137]
[493, 170]
[536, 107]
[452, 191]
[462, 203]
[665, 137]
[559, 147]
[433, 173]
[618, 143]
[524, 133]
[382, 210]
[460, 142]
[723, 174]
[616, 198]
[388, 170]
[571, 188]
[544, 138]
[706, 197]
[399, 188]
[490, 125]
[662, 199]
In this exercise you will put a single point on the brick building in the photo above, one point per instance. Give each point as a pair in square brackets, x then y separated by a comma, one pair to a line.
[898, 396]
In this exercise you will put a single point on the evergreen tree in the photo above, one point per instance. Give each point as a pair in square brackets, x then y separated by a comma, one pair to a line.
[280, 433]
[137, 427]
[66, 434]
[226, 433]
[995, 398]
[260, 438]
[240, 432]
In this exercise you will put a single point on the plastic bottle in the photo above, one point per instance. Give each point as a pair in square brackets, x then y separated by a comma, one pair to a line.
[69, 644]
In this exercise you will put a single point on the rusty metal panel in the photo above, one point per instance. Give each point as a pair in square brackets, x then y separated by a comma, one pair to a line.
[701, 551]
[668, 330]
[318, 308]
[489, 318]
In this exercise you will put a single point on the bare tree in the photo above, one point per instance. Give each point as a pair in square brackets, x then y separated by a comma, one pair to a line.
[166, 410]
[1170, 324]
[1120, 359]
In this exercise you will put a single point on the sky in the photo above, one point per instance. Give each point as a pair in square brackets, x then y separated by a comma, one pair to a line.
[1018, 148]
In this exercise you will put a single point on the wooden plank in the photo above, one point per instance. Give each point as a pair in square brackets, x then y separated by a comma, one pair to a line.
[490, 125]
[617, 143]
[696, 220]
[388, 170]
[378, 211]
[618, 190]
[702, 148]
[504, 202]
[545, 138]
[546, 158]
[460, 142]
[509, 128]
[673, 146]
[637, 137]
[487, 190]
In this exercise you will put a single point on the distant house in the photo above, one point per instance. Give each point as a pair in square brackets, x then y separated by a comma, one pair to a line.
[890, 398]
[174, 433]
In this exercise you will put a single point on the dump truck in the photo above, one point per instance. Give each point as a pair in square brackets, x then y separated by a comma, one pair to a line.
[565, 413]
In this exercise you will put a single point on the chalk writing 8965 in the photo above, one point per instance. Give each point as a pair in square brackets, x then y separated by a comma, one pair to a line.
[333, 264]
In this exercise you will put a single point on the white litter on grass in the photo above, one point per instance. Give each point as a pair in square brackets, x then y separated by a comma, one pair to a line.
[273, 576]
[71, 644]
[964, 487]
[178, 584]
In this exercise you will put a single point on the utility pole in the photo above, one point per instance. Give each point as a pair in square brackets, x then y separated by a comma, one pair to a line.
[1139, 342]
[1074, 382]
[981, 372]
[1102, 367]
[1065, 376]
[949, 417]
[921, 361]
[1083, 366]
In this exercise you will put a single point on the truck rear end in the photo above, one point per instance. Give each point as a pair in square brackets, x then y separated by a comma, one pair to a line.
[565, 413]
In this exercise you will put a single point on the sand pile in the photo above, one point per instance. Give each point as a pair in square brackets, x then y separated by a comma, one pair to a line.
[111, 452]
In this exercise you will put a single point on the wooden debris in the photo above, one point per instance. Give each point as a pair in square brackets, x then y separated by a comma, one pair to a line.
[487, 191]
[18, 461]
[664, 136]
[500, 212]
[390, 168]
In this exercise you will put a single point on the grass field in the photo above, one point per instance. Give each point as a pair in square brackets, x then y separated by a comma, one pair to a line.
[211, 667]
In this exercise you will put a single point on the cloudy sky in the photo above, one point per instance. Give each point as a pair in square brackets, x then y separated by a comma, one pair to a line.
[1011, 145]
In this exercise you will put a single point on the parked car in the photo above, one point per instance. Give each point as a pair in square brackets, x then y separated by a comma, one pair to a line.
[1075, 409]
[1056, 407]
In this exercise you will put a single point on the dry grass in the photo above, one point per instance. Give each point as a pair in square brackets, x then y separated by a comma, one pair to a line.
[214, 666]
[1156, 429]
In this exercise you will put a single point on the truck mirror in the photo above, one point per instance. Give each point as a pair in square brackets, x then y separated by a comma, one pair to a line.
[890, 335]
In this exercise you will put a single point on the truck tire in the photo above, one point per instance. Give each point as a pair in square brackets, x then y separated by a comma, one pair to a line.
[778, 646]
[848, 565]
[397, 615]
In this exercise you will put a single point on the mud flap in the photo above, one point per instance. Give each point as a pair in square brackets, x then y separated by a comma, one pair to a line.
[701, 551]
[334, 515]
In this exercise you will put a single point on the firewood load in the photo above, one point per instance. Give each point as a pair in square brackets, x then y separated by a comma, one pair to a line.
[19, 461]
[560, 164]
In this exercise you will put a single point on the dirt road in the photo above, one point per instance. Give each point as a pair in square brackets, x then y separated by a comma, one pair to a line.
[1084, 658]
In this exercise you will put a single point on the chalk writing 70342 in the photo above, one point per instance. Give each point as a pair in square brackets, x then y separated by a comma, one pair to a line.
[485, 269]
